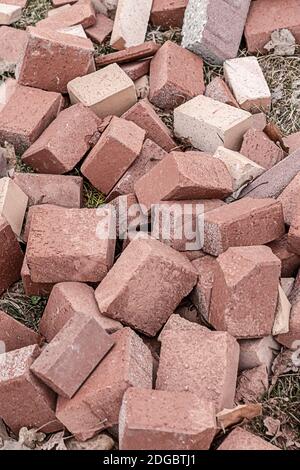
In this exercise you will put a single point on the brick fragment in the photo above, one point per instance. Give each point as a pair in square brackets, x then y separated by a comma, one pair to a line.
[245, 292]
[168, 13]
[9, 13]
[40, 108]
[289, 200]
[101, 29]
[48, 68]
[201, 295]
[65, 191]
[291, 339]
[184, 176]
[14, 334]
[162, 420]
[67, 361]
[97, 404]
[207, 124]
[170, 85]
[12, 44]
[213, 29]
[13, 204]
[136, 70]
[252, 385]
[65, 142]
[266, 16]
[31, 288]
[147, 49]
[148, 269]
[68, 300]
[219, 91]
[11, 257]
[64, 245]
[81, 12]
[131, 22]
[292, 142]
[108, 91]
[290, 262]
[116, 150]
[240, 439]
[204, 363]
[244, 222]
[257, 352]
[282, 316]
[260, 149]
[18, 386]
[293, 241]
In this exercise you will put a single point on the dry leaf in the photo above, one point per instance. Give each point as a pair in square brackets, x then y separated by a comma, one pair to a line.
[273, 426]
[227, 418]
[282, 42]
[30, 437]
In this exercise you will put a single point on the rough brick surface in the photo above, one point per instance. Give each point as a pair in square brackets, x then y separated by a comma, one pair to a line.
[219, 91]
[214, 28]
[18, 386]
[116, 150]
[65, 142]
[244, 222]
[144, 271]
[257, 352]
[290, 262]
[31, 288]
[180, 176]
[11, 257]
[101, 29]
[201, 295]
[289, 200]
[292, 142]
[97, 404]
[252, 385]
[128, 216]
[108, 91]
[258, 147]
[292, 338]
[67, 300]
[204, 363]
[40, 108]
[65, 245]
[177, 323]
[13, 204]
[13, 42]
[170, 85]
[240, 439]
[245, 292]
[162, 420]
[293, 242]
[81, 13]
[168, 13]
[14, 334]
[136, 70]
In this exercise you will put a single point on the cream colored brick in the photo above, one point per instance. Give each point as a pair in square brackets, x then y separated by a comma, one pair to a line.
[207, 124]
[282, 317]
[242, 169]
[109, 91]
[131, 22]
[13, 204]
[9, 13]
[248, 84]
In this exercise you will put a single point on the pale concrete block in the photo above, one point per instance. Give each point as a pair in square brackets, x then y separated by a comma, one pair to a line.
[282, 316]
[13, 204]
[131, 22]
[208, 124]
[248, 84]
[109, 91]
[257, 352]
[9, 13]
[242, 169]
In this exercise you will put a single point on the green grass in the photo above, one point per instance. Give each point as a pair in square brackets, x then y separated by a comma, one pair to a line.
[35, 11]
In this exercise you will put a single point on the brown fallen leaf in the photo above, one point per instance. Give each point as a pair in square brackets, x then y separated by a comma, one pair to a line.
[227, 418]
[273, 426]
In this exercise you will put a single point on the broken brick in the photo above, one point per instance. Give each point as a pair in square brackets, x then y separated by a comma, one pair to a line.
[36, 289]
[289, 200]
[9, 13]
[260, 149]
[13, 42]
[14, 334]
[13, 204]
[145, 50]
[136, 70]
[293, 241]
[101, 29]
[219, 91]
[201, 295]
[11, 257]
[290, 262]
[168, 13]
[81, 12]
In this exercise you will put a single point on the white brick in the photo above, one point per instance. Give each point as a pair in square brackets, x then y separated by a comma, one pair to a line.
[248, 84]
[9, 13]
[13, 204]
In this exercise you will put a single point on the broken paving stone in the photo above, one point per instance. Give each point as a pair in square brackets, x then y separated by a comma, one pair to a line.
[184, 176]
[291, 339]
[214, 29]
[289, 200]
[282, 316]
[199, 361]
[9, 13]
[248, 84]
[259, 148]
[170, 85]
[117, 149]
[36, 289]
[108, 91]
[14, 334]
[130, 24]
[151, 269]
[257, 352]
[13, 204]
[70, 245]
[227, 418]
[97, 403]
[201, 295]
[163, 420]
[67, 300]
[101, 29]
[65, 141]
[136, 70]
[240, 439]
[282, 43]
[290, 262]
[80, 13]
[13, 42]
[252, 384]
[219, 91]
[67, 361]
[11, 257]
[168, 13]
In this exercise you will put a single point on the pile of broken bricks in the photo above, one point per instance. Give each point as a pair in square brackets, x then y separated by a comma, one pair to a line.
[143, 337]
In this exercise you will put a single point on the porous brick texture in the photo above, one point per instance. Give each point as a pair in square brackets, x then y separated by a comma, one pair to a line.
[258, 147]
[168, 13]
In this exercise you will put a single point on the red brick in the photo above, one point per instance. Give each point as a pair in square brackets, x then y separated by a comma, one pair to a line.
[40, 108]
[293, 241]
[72, 355]
[291, 339]
[266, 16]
[12, 43]
[162, 420]
[30, 213]
[59, 3]
[136, 70]
[147, 49]
[11, 257]
[184, 176]
[97, 404]
[33, 288]
[24, 400]
[65, 142]
[260, 149]
[65, 191]
[289, 200]
[244, 222]
[144, 115]
[48, 68]
[81, 13]
[150, 155]
[14, 334]
[65, 245]
[240, 439]
[170, 84]
[67, 300]
[219, 91]
[245, 292]
[129, 215]
[201, 295]
[145, 285]
[290, 262]
[252, 385]
[292, 142]
[177, 322]
[204, 363]
[117, 148]
[101, 29]
[168, 13]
